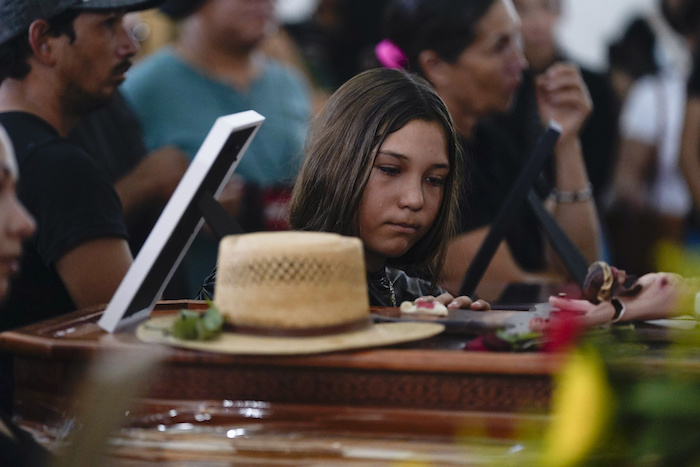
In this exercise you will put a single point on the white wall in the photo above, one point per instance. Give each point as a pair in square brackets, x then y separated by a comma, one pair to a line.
[588, 26]
[293, 11]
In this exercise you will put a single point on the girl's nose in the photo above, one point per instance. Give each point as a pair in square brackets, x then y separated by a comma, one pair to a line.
[412, 196]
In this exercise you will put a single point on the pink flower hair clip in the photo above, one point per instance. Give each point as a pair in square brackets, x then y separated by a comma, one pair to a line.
[390, 55]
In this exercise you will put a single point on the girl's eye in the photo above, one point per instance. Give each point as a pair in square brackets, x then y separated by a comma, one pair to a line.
[436, 181]
[388, 170]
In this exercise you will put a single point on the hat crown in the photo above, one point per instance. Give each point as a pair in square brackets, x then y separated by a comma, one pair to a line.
[278, 280]
[292, 313]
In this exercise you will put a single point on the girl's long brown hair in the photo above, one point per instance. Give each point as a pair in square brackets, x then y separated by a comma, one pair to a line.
[341, 147]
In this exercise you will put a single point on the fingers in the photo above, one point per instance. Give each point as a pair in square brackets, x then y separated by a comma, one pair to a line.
[580, 306]
[562, 85]
[446, 299]
[593, 315]
[462, 302]
[450, 301]
[480, 305]
[566, 92]
[561, 74]
[567, 97]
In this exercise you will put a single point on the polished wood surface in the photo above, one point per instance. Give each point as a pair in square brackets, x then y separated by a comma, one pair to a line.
[430, 374]
[256, 433]
[426, 400]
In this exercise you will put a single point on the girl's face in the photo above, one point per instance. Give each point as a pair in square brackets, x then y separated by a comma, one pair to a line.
[15, 222]
[486, 74]
[404, 191]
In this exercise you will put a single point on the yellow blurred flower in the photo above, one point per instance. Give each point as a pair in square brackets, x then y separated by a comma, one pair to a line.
[582, 405]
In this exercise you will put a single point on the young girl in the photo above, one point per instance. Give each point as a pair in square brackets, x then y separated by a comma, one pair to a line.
[382, 164]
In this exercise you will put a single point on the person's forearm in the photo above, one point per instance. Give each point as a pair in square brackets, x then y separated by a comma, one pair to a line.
[501, 269]
[133, 194]
[151, 183]
[578, 217]
[690, 148]
[138, 195]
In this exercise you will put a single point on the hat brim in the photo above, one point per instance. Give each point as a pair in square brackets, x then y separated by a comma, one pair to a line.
[155, 331]
[129, 5]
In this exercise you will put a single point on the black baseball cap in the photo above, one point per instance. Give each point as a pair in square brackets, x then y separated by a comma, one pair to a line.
[17, 15]
[180, 9]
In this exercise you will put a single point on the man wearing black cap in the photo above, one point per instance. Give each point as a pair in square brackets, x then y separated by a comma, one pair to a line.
[58, 61]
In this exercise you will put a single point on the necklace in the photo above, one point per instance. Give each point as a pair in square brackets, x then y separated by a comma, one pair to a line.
[392, 294]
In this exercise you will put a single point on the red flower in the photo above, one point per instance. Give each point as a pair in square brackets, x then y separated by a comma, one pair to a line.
[489, 342]
[562, 330]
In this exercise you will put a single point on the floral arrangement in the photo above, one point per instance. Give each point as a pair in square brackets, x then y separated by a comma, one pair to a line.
[619, 401]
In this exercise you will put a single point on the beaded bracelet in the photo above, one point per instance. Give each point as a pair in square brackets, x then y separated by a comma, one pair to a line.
[585, 194]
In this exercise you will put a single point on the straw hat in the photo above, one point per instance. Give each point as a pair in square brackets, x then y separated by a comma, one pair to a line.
[287, 293]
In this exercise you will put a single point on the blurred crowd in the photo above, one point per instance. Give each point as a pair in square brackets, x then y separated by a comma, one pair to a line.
[96, 152]
[631, 140]
[623, 182]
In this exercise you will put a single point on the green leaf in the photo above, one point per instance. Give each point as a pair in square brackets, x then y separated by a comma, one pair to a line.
[192, 325]
[212, 320]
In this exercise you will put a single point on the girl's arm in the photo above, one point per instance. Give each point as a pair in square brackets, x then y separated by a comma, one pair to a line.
[690, 147]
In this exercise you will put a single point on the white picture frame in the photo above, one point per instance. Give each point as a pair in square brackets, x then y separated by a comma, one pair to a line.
[180, 221]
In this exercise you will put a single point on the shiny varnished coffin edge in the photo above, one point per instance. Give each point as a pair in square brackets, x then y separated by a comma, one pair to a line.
[405, 376]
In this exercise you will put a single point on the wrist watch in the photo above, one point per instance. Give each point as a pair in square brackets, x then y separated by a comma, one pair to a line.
[620, 309]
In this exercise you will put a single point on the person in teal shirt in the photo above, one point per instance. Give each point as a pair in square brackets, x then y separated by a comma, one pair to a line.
[214, 68]
[178, 103]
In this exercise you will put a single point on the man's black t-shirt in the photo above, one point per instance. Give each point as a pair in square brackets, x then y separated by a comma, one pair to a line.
[72, 204]
[112, 137]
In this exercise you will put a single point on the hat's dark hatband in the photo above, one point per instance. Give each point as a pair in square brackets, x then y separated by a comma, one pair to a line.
[357, 325]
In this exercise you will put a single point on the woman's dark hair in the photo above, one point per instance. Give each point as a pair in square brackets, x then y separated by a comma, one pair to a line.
[343, 143]
[689, 18]
[15, 52]
[445, 26]
[633, 53]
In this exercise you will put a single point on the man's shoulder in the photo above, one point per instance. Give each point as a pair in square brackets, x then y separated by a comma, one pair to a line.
[35, 141]
[39, 148]
[27, 130]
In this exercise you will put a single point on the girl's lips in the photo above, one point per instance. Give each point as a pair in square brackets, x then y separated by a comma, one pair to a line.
[407, 228]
